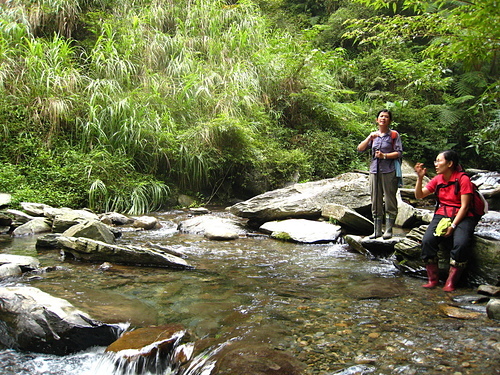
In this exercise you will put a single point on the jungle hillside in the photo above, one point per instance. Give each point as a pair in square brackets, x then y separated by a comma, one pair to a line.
[121, 105]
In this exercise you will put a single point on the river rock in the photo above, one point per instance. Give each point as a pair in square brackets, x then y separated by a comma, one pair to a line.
[146, 223]
[25, 263]
[407, 214]
[63, 219]
[142, 338]
[97, 251]
[34, 209]
[9, 270]
[306, 200]
[217, 233]
[484, 264]
[35, 226]
[20, 217]
[166, 249]
[372, 247]
[488, 226]
[5, 199]
[5, 220]
[199, 210]
[48, 241]
[215, 226]
[185, 200]
[35, 321]
[53, 212]
[458, 313]
[302, 230]
[380, 247]
[350, 219]
[256, 359]
[115, 218]
[489, 290]
[354, 243]
[493, 309]
[93, 229]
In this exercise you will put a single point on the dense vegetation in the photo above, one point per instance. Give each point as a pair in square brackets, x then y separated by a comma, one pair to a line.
[121, 104]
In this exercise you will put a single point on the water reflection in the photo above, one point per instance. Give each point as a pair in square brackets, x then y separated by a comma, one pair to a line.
[331, 308]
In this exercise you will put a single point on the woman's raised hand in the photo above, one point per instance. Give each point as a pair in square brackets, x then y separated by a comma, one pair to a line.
[420, 169]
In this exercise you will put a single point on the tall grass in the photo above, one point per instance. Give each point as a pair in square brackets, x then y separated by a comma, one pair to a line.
[188, 91]
[142, 198]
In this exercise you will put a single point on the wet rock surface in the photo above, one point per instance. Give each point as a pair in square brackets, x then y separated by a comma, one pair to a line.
[36, 321]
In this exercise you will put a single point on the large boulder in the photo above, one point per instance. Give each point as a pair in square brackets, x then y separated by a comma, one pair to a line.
[33, 320]
[35, 226]
[213, 227]
[65, 218]
[306, 200]
[93, 229]
[302, 230]
[97, 251]
[484, 264]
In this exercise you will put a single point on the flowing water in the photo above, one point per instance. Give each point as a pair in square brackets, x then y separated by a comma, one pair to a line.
[331, 308]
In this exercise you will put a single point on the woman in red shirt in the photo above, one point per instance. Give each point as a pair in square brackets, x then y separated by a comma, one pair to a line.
[454, 203]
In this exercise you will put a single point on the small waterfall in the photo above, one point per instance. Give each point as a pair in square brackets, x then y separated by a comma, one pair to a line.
[158, 358]
[204, 363]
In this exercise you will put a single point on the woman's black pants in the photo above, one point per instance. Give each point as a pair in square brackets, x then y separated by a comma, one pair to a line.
[461, 240]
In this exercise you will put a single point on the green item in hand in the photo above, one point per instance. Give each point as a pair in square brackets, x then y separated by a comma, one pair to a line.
[442, 226]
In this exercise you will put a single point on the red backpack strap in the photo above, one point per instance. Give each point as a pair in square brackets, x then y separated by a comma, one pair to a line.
[394, 135]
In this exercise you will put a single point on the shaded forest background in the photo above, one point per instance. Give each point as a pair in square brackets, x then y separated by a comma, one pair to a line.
[122, 104]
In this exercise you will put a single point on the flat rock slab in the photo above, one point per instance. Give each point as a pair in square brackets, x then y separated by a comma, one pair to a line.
[458, 313]
[302, 230]
[97, 251]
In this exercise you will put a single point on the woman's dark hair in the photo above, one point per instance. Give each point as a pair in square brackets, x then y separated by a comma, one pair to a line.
[385, 111]
[450, 155]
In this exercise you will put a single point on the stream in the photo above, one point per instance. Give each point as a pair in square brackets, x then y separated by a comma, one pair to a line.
[333, 309]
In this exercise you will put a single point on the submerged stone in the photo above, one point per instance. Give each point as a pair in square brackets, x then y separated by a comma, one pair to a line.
[241, 358]
[458, 313]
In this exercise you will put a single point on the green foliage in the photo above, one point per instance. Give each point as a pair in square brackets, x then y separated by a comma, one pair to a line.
[132, 199]
[105, 102]
[329, 154]
[486, 142]
[46, 178]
